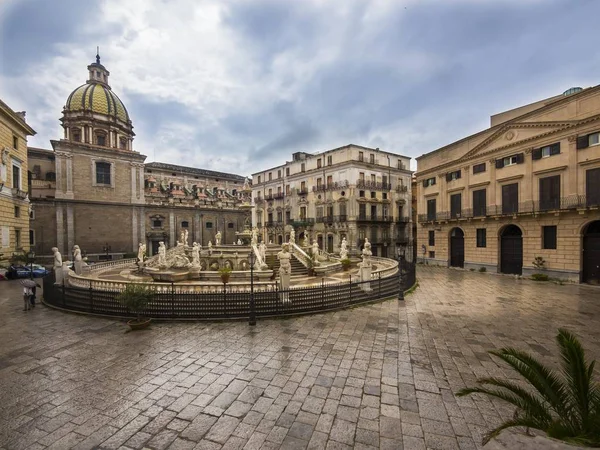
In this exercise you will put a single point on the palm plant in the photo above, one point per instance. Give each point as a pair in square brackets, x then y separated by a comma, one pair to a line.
[565, 407]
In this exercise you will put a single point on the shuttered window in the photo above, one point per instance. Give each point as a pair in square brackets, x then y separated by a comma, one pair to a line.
[549, 193]
[510, 198]
[510, 160]
[481, 238]
[431, 209]
[479, 168]
[592, 187]
[546, 151]
[479, 203]
[450, 176]
[432, 238]
[549, 237]
[587, 140]
[455, 205]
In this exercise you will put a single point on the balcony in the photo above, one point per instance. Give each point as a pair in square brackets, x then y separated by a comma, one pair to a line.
[269, 197]
[341, 218]
[258, 200]
[572, 202]
[302, 222]
[331, 186]
[302, 191]
[401, 189]
[365, 218]
[324, 219]
[19, 193]
[372, 185]
[404, 219]
[278, 196]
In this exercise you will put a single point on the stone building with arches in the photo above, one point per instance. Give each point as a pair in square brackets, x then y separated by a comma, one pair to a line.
[93, 189]
[520, 197]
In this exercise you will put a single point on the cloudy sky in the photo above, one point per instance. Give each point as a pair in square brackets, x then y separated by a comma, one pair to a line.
[238, 85]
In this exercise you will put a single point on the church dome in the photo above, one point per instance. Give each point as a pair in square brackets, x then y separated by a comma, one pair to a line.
[97, 97]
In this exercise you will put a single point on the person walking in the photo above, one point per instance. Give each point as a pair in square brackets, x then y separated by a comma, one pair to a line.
[27, 293]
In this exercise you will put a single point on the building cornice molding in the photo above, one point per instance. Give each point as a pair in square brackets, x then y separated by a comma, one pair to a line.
[511, 178]
[552, 169]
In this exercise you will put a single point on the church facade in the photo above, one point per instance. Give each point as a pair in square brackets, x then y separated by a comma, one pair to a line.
[94, 190]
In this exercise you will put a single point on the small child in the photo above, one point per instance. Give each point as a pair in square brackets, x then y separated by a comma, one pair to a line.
[27, 293]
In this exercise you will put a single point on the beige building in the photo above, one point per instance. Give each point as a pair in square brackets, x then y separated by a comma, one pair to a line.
[94, 190]
[352, 191]
[14, 202]
[525, 190]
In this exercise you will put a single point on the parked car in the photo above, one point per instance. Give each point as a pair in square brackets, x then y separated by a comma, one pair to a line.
[20, 271]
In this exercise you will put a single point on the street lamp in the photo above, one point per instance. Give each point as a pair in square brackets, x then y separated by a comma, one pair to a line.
[106, 249]
[31, 257]
[252, 259]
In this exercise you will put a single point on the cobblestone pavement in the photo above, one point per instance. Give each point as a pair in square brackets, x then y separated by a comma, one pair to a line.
[375, 376]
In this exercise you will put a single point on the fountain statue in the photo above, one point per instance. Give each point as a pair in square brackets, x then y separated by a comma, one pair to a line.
[285, 270]
[218, 238]
[344, 249]
[162, 255]
[292, 236]
[78, 260]
[196, 255]
[58, 266]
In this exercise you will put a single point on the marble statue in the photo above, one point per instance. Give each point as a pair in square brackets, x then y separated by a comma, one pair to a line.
[285, 271]
[141, 252]
[210, 248]
[239, 242]
[365, 267]
[218, 238]
[185, 238]
[195, 255]
[254, 240]
[262, 249]
[315, 249]
[182, 237]
[162, 254]
[366, 253]
[344, 249]
[292, 236]
[78, 260]
[58, 266]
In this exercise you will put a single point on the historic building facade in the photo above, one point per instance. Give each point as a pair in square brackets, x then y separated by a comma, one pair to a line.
[352, 191]
[521, 197]
[94, 190]
[14, 203]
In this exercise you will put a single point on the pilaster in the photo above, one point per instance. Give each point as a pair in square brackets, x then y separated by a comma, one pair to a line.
[172, 240]
[134, 229]
[60, 231]
[570, 182]
[70, 228]
[69, 169]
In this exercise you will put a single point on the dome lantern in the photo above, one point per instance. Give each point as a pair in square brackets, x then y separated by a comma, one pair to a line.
[97, 72]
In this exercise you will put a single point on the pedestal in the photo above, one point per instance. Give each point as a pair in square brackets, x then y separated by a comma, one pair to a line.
[58, 275]
[284, 284]
[195, 272]
[365, 277]
[78, 266]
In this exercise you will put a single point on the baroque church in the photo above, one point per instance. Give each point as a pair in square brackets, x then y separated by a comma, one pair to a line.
[94, 190]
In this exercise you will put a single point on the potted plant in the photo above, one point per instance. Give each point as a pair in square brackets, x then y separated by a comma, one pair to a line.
[345, 264]
[225, 273]
[564, 407]
[540, 264]
[136, 298]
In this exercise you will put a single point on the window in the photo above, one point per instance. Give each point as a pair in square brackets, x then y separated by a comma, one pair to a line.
[32, 214]
[372, 158]
[481, 238]
[17, 238]
[384, 195]
[303, 212]
[329, 160]
[479, 168]
[329, 180]
[287, 189]
[259, 179]
[279, 174]
[479, 203]
[101, 139]
[17, 211]
[270, 193]
[270, 176]
[31, 238]
[287, 171]
[549, 193]
[429, 182]
[362, 211]
[432, 238]
[510, 198]
[400, 165]
[15, 142]
[451, 176]
[455, 205]
[16, 174]
[209, 225]
[303, 167]
[102, 173]
[156, 223]
[384, 180]
[594, 139]
[319, 163]
[185, 224]
[373, 194]
[343, 211]
[123, 143]
[361, 156]
[432, 254]
[361, 176]
[76, 134]
[431, 206]
[373, 178]
[319, 183]
[588, 140]
[288, 217]
[361, 194]
[545, 152]
[303, 186]
[510, 160]
[319, 211]
[549, 237]
[592, 187]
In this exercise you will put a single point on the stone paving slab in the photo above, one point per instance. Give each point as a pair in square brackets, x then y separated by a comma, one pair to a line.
[378, 376]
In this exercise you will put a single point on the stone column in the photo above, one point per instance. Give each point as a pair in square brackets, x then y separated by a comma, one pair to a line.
[172, 237]
[197, 237]
[59, 174]
[134, 229]
[70, 228]
[142, 223]
[141, 177]
[60, 231]
[69, 170]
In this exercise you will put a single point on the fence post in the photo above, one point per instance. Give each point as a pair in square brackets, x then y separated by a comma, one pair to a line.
[63, 292]
[323, 293]
[379, 296]
[172, 299]
[350, 294]
[224, 299]
[91, 298]
[400, 285]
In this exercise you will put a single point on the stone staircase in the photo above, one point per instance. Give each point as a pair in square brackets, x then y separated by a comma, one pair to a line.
[297, 267]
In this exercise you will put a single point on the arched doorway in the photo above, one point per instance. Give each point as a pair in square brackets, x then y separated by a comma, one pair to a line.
[591, 253]
[511, 250]
[457, 248]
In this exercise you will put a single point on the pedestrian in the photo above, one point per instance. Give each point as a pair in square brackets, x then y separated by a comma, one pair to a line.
[32, 298]
[27, 293]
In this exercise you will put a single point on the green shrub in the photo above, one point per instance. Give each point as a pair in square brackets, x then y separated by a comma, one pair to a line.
[482, 269]
[136, 298]
[564, 407]
[540, 277]
[345, 263]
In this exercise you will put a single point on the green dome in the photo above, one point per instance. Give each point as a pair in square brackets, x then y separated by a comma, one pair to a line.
[97, 98]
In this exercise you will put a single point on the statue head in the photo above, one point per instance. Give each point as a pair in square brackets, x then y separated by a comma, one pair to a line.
[285, 247]
[54, 249]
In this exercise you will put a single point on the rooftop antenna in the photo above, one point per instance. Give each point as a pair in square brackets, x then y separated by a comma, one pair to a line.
[97, 54]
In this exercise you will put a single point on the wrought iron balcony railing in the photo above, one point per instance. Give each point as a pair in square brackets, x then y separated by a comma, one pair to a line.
[373, 185]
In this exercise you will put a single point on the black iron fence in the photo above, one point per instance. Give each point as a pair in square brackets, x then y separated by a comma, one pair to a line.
[225, 302]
